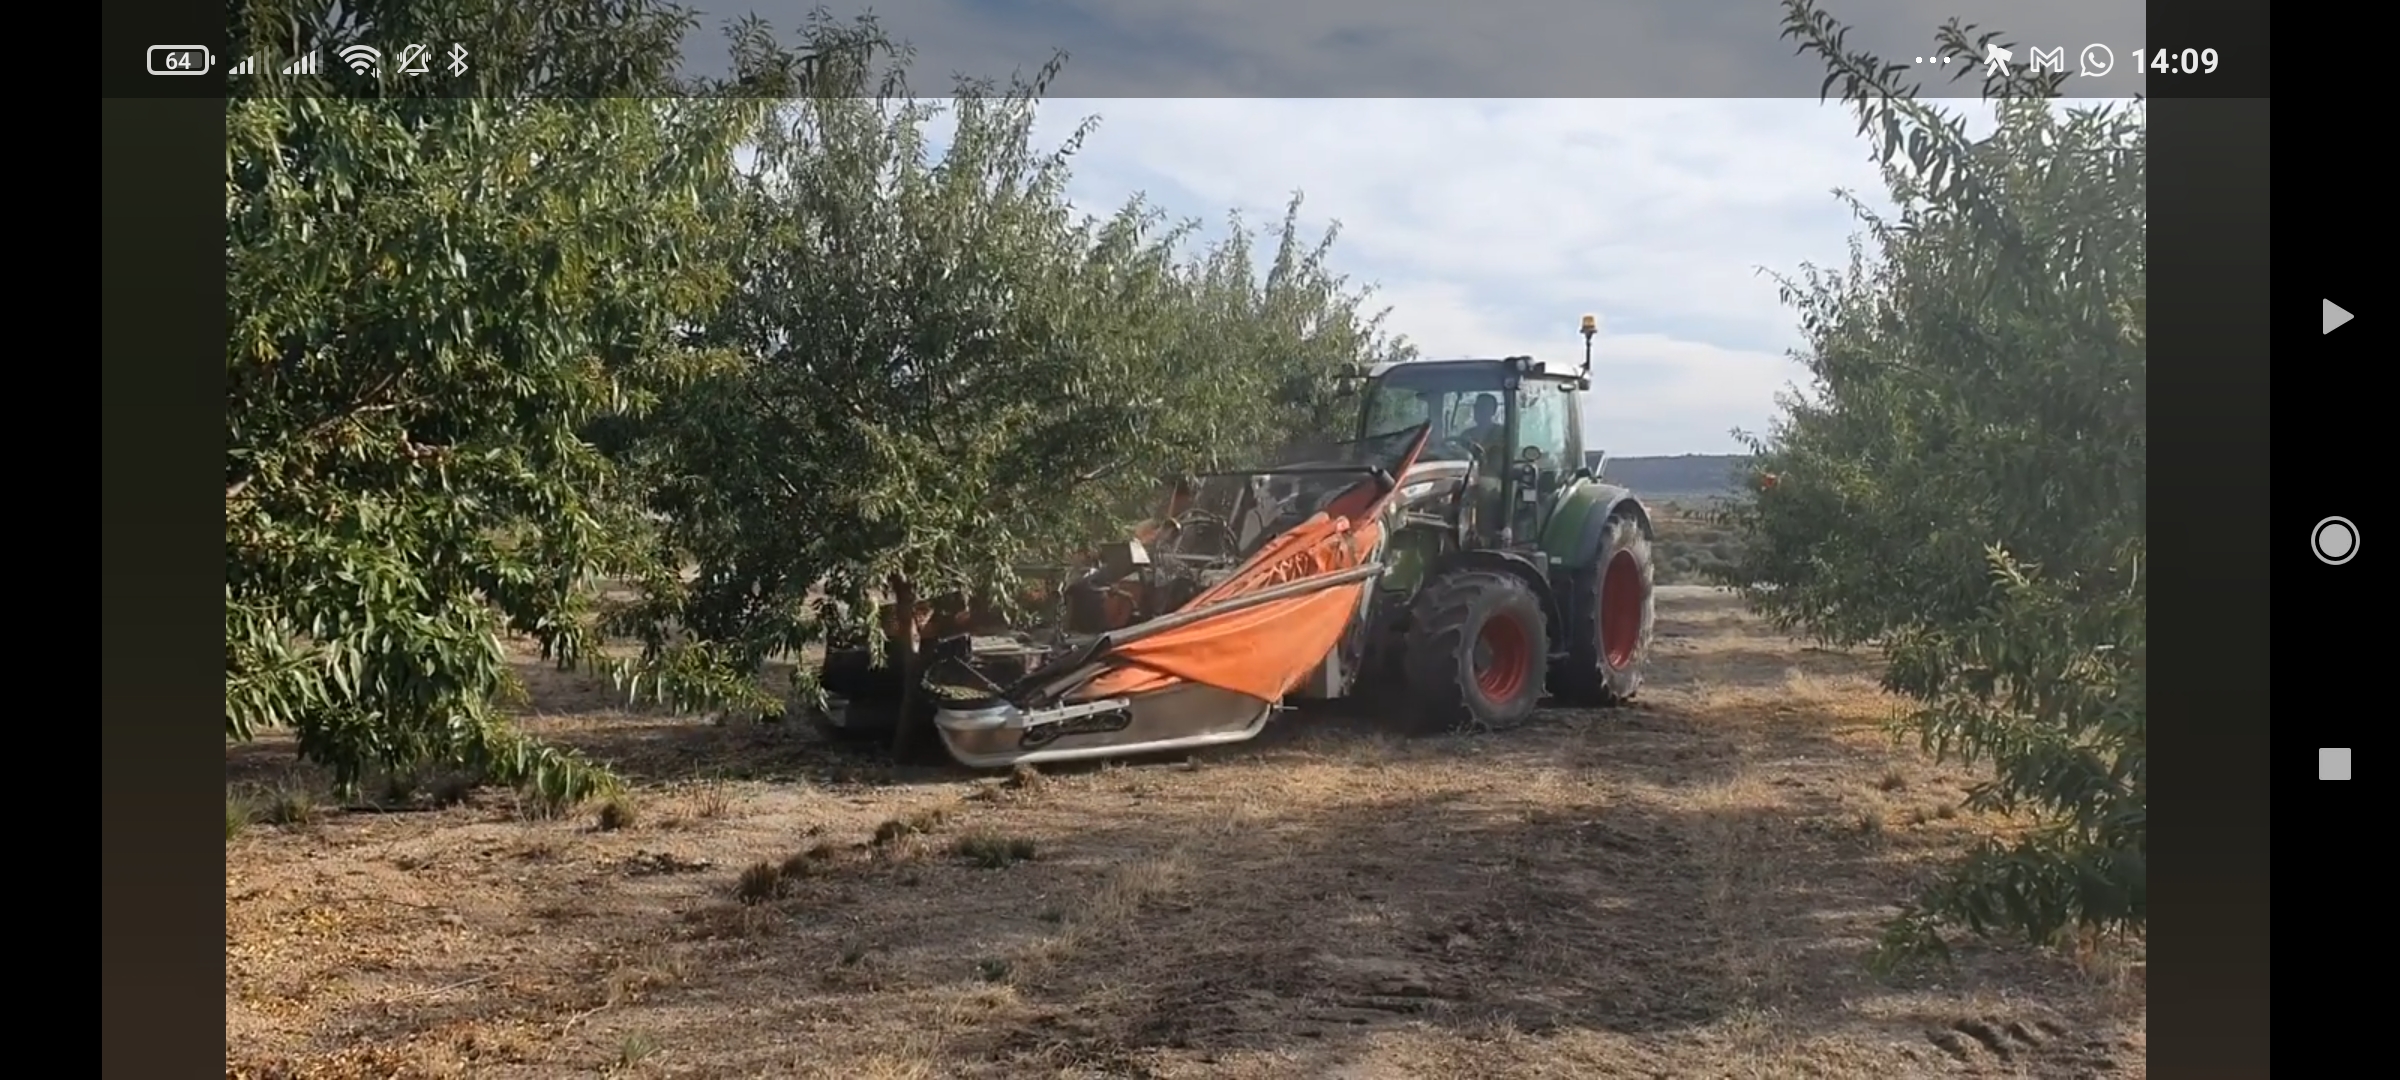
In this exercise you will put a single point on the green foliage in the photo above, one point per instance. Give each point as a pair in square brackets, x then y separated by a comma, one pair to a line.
[1965, 481]
[430, 300]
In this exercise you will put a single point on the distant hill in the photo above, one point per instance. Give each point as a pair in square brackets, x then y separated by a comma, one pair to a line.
[1688, 475]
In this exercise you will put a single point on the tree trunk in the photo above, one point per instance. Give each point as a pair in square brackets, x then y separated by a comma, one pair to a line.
[912, 731]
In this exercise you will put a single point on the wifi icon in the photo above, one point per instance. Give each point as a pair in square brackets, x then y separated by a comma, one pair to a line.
[361, 58]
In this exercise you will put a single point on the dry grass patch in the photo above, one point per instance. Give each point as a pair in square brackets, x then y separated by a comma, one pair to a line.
[1027, 779]
[818, 859]
[920, 822]
[1022, 784]
[239, 813]
[710, 800]
[634, 1048]
[286, 805]
[1141, 884]
[759, 884]
[990, 850]
[744, 920]
[617, 812]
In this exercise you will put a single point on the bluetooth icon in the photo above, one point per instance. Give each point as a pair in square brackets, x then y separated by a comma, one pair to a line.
[458, 60]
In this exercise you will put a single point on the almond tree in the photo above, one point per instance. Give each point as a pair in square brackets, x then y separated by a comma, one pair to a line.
[1964, 480]
[432, 299]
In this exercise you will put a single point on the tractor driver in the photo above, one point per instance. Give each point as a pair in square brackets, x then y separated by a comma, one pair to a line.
[1487, 440]
[1488, 433]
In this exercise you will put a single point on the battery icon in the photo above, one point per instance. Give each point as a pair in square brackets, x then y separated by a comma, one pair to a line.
[181, 60]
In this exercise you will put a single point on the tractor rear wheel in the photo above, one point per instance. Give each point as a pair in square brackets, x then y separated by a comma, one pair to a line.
[1477, 646]
[1608, 646]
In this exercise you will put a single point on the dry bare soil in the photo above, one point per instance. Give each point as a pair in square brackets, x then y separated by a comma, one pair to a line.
[1683, 889]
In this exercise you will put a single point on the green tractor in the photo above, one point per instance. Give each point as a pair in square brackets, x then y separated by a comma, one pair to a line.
[1515, 570]
[1457, 562]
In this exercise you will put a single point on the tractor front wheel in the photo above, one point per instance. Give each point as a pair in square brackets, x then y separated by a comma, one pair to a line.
[1477, 648]
[1608, 646]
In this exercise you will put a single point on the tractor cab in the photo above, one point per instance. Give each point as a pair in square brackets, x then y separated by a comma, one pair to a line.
[1509, 432]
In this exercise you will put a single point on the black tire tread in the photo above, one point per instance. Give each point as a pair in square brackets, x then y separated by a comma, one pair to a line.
[1581, 679]
[1446, 618]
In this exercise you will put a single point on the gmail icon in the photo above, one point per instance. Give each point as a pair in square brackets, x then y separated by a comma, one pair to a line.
[2050, 59]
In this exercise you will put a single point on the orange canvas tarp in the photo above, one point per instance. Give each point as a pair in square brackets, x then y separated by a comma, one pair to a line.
[1262, 651]
[1265, 651]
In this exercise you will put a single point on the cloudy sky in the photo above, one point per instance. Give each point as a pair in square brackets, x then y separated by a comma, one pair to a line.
[1489, 227]
[1489, 209]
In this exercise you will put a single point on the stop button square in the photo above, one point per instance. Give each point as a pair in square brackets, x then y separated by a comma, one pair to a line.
[2333, 763]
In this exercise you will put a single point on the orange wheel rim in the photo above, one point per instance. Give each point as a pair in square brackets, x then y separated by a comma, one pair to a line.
[1621, 610]
[1505, 653]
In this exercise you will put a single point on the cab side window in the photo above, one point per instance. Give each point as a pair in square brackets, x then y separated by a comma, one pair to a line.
[1543, 423]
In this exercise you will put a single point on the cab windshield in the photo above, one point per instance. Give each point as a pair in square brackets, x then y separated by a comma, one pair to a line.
[1445, 398]
[1466, 409]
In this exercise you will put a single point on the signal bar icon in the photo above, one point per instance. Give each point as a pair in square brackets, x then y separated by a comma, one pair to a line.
[248, 66]
[306, 65]
[361, 58]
